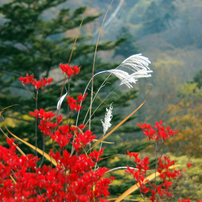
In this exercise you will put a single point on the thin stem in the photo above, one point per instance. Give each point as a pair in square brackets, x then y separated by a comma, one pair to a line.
[77, 119]
[68, 109]
[120, 168]
[30, 92]
[94, 96]
[36, 107]
[101, 86]
[142, 196]
[100, 104]
[155, 166]
[70, 57]
[94, 64]
[43, 136]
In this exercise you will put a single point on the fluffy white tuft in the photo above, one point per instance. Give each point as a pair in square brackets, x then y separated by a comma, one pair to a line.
[138, 64]
[108, 117]
[123, 76]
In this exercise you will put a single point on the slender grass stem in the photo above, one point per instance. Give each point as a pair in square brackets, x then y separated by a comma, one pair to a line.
[155, 164]
[36, 107]
[43, 136]
[101, 86]
[101, 104]
[70, 57]
[94, 64]
[68, 109]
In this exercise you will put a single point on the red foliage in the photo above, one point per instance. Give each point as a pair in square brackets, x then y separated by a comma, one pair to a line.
[75, 104]
[37, 84]
[75, 178]
[189, 165]
[66, 68]
[139, 173]
[158, 133]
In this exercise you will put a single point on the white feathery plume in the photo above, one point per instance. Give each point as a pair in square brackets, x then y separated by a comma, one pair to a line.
[123, 76]
[61, 101]
[108, 117]
[137, 63]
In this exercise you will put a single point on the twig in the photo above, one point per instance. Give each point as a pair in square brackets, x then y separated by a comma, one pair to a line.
[94, 64]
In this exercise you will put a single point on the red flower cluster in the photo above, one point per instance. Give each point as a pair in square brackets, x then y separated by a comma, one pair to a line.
[158, 133]
[75, 178]
[69, 70]
[37, 84]
[139, 173]
[75, 104]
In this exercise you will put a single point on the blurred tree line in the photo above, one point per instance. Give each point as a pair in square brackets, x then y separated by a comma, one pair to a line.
[186, 117]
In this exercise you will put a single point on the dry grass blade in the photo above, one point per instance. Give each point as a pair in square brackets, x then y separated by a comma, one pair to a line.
[95, 140]
[6, 108]
[52, 160]
[135, 187]
[12, 178]
[137, 200]
[118, 125]
[14, 143]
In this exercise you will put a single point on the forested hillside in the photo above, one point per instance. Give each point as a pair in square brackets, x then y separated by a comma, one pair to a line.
[168, 32]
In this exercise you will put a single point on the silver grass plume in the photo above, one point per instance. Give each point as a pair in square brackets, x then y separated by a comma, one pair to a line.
[61, 101]
[108, 117]
[138, 64]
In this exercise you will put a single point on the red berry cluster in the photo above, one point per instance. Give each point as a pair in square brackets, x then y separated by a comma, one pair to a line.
[29, 79]
[69, 70]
